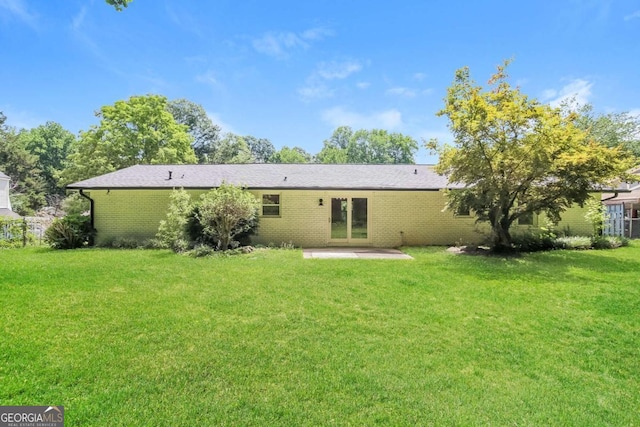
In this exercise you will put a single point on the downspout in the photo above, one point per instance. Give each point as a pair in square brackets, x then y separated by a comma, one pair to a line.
[91, 238]
[609, 198]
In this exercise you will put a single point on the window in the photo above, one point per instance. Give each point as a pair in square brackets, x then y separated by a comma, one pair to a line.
[526, 219]
[270, 205]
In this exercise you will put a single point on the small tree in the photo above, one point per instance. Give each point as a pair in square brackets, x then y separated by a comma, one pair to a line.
[514, 156]
[172, 232]
[225, 212]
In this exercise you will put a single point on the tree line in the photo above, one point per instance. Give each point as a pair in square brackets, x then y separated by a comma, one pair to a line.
[152, 129]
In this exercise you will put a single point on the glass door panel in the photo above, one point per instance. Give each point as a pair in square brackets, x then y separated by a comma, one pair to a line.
[339, 218]
[358, 218]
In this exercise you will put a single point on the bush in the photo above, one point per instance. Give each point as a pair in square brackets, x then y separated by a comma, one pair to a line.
[574, 242]
[121, 243]
[534, 241]
[69, 232]
[14, 233]
[172, 232]
[608, 242]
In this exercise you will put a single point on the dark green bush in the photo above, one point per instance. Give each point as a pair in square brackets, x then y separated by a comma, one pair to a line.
[534, 241]
[608, 242]
[69, 232]
[121, 243]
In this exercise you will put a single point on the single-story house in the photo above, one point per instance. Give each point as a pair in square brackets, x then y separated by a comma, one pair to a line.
[5, 202]
[308, 205]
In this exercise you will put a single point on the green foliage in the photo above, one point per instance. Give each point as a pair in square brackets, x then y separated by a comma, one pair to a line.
[121, 243]
[573, 242]
[51, 144]
[291, 155]
[515, 156]
[608, 242]
[14, 233]
[261, 149]
[368, 146]
[69, 232]
[172, 232]
[205, 134]
[231, 149]
[27, 190]
[596, 215]
[75, 204]
[535, 240]
[119, 4]
[225, 212]
[612, 129]
[140, 130]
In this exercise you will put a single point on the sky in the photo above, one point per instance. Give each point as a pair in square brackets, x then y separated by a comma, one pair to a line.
[293, 71]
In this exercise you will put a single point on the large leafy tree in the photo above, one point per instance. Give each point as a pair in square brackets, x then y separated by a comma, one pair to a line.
[205, 134]
[139, 130]
[514, 156]
[51, 144]
[291, 155]
[612, 129]
[261, 148]
[231, 148]
[27, 187]
[368, 146]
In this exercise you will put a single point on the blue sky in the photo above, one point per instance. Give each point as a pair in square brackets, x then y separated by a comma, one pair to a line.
[292, 71]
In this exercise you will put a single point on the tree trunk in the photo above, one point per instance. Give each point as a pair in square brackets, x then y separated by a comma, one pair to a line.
[501, 235]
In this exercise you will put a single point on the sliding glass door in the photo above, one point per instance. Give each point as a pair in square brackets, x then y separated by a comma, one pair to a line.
[349, 219]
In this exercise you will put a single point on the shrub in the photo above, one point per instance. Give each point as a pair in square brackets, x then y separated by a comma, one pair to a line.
[534, 240]
[14, 233]
[69, 232]
[172, 232]
[225, 213]
[75, 204]
[573, 242]
[608, 242]
[121, 243]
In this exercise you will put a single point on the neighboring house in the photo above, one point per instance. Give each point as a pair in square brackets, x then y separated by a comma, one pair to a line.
[304, 204]
[5, 202]
[623, 210]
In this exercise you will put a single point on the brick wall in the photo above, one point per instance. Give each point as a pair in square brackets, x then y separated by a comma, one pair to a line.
[395, 218]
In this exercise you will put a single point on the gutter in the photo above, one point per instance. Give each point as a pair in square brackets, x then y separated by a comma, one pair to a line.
[91, 238]
[612, 197]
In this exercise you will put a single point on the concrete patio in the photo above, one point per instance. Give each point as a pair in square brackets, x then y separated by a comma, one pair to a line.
[361, 253]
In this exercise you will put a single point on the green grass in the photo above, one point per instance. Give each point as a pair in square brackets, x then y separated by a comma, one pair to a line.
[150, 338]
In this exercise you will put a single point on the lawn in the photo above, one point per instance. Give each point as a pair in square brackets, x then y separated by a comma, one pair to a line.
[149, 338]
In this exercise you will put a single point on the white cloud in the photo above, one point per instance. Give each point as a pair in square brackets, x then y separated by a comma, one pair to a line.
[363, 85]
[419, 76]
[224, 126]
[19, 9]
[20, 119]
[338, 70]
[209, 79]
[634, 15]
[316, 86]
[339, 116]
[635, 112]
[280, 44]
[401, 91]
[317, 33]
[578, 90]
[78, 20]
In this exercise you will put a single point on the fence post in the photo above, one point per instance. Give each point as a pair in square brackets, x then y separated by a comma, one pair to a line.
[24, 232]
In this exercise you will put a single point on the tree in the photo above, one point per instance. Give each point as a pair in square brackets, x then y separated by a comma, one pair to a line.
[27, 187]
[51, 144]
[231, 148]
[172, 232]
[261, 148]
[291, 155]
[204, 132]
[119, 4]
[140, 130]
[227, 211]
[515, 157]
[367, 146]
[612, 129]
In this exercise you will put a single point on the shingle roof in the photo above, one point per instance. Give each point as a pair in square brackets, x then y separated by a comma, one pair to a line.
[271, 176]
